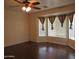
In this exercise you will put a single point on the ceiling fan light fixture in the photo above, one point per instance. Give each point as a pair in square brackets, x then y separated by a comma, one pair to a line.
[23, 8]
[28, 9]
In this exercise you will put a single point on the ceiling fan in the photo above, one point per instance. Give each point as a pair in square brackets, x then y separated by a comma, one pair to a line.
[28, 5]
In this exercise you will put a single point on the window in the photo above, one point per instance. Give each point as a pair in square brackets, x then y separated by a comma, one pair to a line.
[42, 32]
[57, 31]
[57, 26]
[72, 31]
[50, 31]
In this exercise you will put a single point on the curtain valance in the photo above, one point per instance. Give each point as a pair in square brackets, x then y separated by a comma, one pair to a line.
[70, 16]
[61, 19]
[42, 20]
[52, 19]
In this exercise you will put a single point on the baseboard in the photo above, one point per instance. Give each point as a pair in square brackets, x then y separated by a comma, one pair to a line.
[15, 44]
[53, 43]
[72, 47]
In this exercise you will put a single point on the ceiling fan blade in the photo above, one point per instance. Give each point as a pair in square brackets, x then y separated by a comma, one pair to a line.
[28, 2]
[22, 1]
[35, 3]
[36, 8]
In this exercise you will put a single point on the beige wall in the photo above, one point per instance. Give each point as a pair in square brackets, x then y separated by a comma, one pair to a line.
[16, 27]
[34, 26]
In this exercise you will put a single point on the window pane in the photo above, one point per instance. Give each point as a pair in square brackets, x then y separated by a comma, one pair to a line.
[42, 32]
[58, 31]
[72, 31]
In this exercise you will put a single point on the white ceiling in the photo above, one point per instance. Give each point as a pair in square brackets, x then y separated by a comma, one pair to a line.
[48, 3]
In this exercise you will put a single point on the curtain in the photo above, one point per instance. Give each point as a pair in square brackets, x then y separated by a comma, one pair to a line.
[70, 16]
[42, 20]
[52, 19]
[61, 19]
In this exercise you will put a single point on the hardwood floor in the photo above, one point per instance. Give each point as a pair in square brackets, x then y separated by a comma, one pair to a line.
[32, 50]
